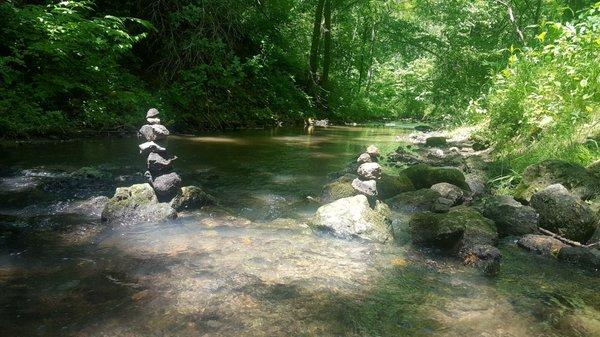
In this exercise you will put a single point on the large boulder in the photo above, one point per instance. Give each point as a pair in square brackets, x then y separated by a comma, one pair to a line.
[510, 216]
[369, 171]
[541, 244]
[414, 201]
[365, 187]
[451, 192]
[424, 176]
[462, 232]
[339, 188]
[391, 185]
[134, 204]
[353, 218]
[167, 185]
[564, 213]
[191, 198]
[152, 132]
[576, 178]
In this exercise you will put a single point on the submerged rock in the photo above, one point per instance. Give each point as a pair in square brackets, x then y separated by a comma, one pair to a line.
[353, 218]
[510, 216]
[338, 189]
[391, 185]
[190, 198]
[134, 204]
[574, 177]
[365, 187]
[563, 213]
[369, 171]
[154, 132]
[424, 176]
[541, 244]
[583, 257]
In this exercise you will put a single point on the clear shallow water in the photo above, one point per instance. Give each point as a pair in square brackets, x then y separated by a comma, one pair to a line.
[253, 269]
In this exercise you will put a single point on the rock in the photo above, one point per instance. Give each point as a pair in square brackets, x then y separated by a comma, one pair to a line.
[541, 244]
[563, 213]
[448, 191]
[484, 257]
[436, 153]
[152, 121]
[157, 165]
[390, 185]
[154, 132]
[423, 128]
[480, 143]
[322, 122]
[369, 171]
[593, 169]
[476, 184]
[338, 189]
[574, 177]
[510, 216]
[373, 151]
[134, 204]
[413, 201]
[424, 176]
[365, 187]
[584, 257]
[353, 218]
[153, 112]
[364, 158]
[149, 147]
[435, 141]
[405, 155]
[167, 185]
[191, 198]
[442, 205]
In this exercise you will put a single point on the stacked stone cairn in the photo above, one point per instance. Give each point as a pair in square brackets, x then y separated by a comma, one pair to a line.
[164, 181]
[369, 171]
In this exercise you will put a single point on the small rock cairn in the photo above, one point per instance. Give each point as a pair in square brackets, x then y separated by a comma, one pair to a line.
[369, 171]
[165, 182]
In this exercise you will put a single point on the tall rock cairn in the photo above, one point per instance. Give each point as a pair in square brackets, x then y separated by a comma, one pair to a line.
[165, 182]
[369, 171]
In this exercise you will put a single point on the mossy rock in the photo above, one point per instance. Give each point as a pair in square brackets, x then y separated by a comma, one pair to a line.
[576, 178]
[435, 141]
[413, 201]
[390, 185]
[135, 204]
[191, 198]
[425, 176]
[339, 188]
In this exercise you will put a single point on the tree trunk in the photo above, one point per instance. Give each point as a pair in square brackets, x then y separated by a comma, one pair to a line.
[326, 51]
[314, 47]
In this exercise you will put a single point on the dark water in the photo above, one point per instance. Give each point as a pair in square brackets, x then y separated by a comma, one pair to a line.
[251, 267]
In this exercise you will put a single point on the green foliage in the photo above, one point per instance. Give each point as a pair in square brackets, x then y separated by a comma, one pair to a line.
[546, 103]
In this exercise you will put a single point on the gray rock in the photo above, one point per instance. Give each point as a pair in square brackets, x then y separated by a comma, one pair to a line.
[442, 205]
[449, 191]
[435, 141]
[414, 201]
[563, 213]
[541, 244]
[149, 147]
[153, 112]
[586, 258]
[353, 218]
[191, 198]
[373, 151]
[135, 204]
[364, 158]
[152, 121]
[369, 171]
[157, 165]
[476, 183]
[167, 185]
[338, 189]
[154, 132]
[365, 187]
[510, 216]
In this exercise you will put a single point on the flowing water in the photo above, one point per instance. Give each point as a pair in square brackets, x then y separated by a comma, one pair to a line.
[250, 267]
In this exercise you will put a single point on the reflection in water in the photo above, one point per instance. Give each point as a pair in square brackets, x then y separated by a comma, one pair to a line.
[255, 269]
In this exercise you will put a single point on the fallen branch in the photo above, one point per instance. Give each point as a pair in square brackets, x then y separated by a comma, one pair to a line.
[567, 241]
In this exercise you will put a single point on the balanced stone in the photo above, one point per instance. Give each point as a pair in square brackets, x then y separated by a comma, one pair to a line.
[366, 187]
[154, 132]
[167, 185]
[369, 171]
[364, 158]
[158, 165]
[149, 147]
[153, 120]
[152, 113]
[373, 151]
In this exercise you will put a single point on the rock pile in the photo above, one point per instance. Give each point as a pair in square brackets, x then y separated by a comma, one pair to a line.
[164, 181]
[369, 171]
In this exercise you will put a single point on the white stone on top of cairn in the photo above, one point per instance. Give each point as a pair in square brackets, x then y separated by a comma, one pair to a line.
[153, 112]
